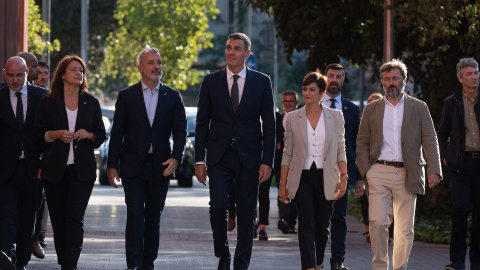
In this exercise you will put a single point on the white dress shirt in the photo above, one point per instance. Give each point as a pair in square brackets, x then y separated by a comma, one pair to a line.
[327, 102]
[315, 144]
[150, 96]
[391, 149]
[13, 101]
[240, 82]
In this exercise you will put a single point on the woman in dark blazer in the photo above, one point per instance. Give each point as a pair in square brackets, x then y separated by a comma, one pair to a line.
[68, 126]
[314, 168]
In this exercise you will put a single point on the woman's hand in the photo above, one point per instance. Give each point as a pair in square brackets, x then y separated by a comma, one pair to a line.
[82, 134]
[341, 189]
[62, 135]
[283, 193]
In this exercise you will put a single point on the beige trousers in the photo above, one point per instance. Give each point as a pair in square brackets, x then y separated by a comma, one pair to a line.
[387, 183]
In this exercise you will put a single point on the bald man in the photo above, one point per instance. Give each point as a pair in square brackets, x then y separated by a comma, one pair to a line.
[19, 164]
[32, 65]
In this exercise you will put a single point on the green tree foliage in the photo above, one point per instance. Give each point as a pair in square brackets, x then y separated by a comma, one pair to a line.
[36, 28]
[176, 28]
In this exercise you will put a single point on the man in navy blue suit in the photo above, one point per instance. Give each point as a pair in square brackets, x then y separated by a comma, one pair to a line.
[19, 164]
[146, 115]
[351, 113]
[229, 139]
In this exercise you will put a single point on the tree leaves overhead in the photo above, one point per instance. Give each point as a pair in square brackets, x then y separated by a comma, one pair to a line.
[36, 28]
[176, 28]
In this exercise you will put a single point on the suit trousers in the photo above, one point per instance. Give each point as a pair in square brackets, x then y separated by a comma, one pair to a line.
[67, 203]
[230, 171]
[338, 229]
[264, 201]
[17, 214]
[287, 212]
[314, 214]
[464, 188]
[384, 184]
[145, 199]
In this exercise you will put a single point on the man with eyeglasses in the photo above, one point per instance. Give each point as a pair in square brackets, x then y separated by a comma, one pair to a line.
[393, 131]
[287, 212]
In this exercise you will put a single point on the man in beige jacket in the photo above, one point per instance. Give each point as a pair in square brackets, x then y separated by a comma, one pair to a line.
[393, 131]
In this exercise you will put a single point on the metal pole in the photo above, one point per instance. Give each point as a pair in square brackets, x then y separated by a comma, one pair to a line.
[275, 66]
[84, 37]
[249, 22]
[388, 35]
[46, 17]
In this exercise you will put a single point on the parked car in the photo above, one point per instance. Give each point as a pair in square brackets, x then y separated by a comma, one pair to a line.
[184, 172]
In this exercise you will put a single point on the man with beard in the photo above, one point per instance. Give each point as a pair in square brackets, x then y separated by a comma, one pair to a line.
[393, 131]
[43, 75]
[459, 140]
[146, 115]
[351, 113]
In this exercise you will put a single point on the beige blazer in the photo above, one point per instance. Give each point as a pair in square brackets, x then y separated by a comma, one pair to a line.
[295, 150]
[417, 133]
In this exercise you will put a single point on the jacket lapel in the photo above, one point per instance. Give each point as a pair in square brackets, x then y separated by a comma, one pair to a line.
[6, 103]
[302, 124]
[62, 112]
[329, 128]
[379, 113]
[246, 91]
[82, 110]
[138, 96]
[407, 114]
[161, 102]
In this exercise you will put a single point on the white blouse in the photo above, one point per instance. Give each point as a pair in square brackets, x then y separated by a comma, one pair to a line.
[315, 144]
[72, 120]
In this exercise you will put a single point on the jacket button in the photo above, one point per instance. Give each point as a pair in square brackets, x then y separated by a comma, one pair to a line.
[75, 147]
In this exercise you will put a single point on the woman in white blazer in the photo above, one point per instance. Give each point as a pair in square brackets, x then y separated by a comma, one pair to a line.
[314, 168]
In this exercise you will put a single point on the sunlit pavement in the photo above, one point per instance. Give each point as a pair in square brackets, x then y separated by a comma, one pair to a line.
[186, 238]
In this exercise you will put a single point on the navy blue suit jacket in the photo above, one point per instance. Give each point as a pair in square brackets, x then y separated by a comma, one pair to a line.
[13, 139]
[132, 134]
[351, 114]
[217, 124]
[52, 115]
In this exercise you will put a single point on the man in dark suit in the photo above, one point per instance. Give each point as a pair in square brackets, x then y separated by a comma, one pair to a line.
[287, 212]
[230, 104]
[146, 115]
[19, 164]
[351, 113]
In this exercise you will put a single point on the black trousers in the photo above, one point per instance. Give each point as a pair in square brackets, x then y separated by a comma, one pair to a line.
[230, 171]
[67, 203]
[464, 194]
[314, 213]
[287, 212]
[145, 199]
[18, 205]
[264, 201]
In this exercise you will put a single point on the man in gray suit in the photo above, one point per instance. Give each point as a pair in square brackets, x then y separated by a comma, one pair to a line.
[392, 165]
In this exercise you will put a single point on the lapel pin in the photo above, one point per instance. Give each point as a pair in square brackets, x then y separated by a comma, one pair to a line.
[345, 107]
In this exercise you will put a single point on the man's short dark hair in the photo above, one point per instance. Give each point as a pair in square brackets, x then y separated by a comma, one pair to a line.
[43, 64]
[336, 67]
[394, 64]
[241, 36]
[291, 93]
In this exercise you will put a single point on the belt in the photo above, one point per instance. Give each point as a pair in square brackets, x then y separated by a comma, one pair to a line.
[396, 164]
[472, 154]
[233, 143]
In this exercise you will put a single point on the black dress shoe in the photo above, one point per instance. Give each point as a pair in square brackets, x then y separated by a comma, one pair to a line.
[292, 230]
[282, 226]
[338, 266]
[20, 267]
[5, 262]
[224, 263]
[262, 235]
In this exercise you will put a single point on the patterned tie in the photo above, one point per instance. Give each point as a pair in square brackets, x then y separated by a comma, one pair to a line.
[19, 112]
[332, 105]
[234, 94]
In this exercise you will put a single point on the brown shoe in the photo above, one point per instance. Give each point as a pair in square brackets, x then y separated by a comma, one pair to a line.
[37, 250]
[231, 223]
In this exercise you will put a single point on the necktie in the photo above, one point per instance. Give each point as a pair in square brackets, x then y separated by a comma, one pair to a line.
[333, 103]
[19, 112]
[234, 94]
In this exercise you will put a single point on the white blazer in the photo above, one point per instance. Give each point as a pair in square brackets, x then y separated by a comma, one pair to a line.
[295, 150]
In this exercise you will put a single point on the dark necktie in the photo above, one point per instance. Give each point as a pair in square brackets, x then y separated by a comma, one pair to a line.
[234, 94]
[333, 103]
[19, 112]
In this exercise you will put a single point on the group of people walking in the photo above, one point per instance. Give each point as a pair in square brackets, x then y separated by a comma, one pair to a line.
[48, 139]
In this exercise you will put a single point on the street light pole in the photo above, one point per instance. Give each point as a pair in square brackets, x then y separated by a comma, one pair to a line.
[388, 35]
[84, 33]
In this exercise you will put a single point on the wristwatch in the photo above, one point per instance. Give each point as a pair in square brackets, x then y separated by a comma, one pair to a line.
[344, 175]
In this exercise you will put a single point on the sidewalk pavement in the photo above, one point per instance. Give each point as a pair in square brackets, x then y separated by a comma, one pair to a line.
[186, 238]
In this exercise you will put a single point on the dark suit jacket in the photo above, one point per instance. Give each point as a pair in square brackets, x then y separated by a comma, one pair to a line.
[11, 137]
[217, 124]
[351, 114]
[451, 133]
[280, 132]
[132, 135]
[52, 115]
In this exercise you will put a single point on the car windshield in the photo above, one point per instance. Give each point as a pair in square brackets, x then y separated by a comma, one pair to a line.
[191, 121]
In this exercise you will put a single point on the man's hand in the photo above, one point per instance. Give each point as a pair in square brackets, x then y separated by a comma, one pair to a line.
[341, 189]
[359, 189]
[201, 173]
[172, 166]
[265, 172]
[112, 176]
[433, 180]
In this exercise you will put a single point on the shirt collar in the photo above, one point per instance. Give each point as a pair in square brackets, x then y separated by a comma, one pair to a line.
[23, 91]
[328, 97]
[242, 73]
[401, 101]
[145, 87]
